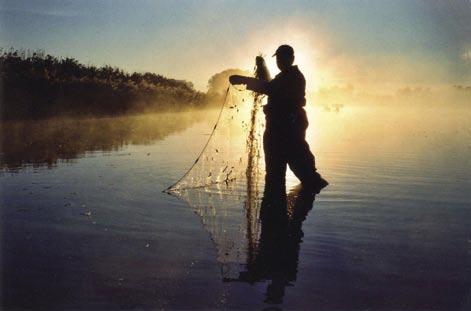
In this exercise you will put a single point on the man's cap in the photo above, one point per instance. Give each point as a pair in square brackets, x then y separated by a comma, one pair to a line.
[284, 50]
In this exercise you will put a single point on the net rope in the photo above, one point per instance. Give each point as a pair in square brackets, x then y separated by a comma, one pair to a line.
[223, 184]
[174, 186]
[233, 146]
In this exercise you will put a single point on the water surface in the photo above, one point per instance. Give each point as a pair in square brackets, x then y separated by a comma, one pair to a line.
[85, 224]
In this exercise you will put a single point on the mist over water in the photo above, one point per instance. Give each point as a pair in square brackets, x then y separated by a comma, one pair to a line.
[82, 211]
[45, 142]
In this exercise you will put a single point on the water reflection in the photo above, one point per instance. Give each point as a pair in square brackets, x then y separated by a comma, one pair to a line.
[276, 257]
[395, 218]
[45, 142]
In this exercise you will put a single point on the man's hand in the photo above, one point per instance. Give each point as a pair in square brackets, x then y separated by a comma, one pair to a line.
[259, 61]
[237, 79]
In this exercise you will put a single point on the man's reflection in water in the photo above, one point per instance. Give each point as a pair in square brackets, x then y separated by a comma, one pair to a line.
[276, 258]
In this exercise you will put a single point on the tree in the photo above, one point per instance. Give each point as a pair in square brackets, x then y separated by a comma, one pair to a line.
[219, 82]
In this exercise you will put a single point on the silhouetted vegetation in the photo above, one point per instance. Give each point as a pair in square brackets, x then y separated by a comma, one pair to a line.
[36, 85]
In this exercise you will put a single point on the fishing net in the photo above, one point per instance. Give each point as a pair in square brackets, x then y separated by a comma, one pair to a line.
[223, 186]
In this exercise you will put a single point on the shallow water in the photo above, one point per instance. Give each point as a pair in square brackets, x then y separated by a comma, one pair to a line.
[85, 224]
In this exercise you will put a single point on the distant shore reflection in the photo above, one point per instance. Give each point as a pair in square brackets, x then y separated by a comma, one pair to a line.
[45, 142]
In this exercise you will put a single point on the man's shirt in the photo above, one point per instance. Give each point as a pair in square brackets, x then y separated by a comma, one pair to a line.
[286, 92]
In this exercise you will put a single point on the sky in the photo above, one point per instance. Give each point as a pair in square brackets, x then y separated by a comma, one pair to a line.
[372, 45]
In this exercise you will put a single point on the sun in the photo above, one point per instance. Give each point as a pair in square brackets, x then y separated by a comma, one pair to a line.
[305, 63]
[308, 48]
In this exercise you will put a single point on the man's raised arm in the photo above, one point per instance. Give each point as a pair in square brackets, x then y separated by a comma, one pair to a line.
[253, 84]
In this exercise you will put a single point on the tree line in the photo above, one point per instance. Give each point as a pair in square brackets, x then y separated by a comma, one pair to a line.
[38, 85]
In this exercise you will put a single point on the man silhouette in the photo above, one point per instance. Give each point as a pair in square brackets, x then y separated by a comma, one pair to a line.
[284, 140]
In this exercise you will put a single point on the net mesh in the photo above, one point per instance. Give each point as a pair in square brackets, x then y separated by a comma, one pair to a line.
[223, 186]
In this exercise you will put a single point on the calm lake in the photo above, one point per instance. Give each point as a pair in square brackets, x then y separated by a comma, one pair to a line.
[85, 224]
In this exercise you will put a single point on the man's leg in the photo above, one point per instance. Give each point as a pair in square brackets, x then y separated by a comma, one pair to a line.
[302, 162]
[300, 158]
[275, 162]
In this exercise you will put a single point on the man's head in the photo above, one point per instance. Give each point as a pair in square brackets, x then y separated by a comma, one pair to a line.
[284, 56]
